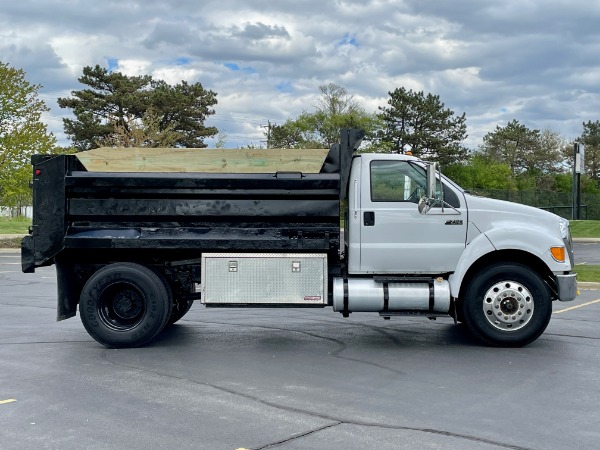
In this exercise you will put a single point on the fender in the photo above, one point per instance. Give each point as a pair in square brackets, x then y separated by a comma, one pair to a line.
[532, 239]
[510, 236]
[477, 248]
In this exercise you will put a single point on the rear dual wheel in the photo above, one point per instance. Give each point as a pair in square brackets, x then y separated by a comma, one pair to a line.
[181, 306]
[125, 305]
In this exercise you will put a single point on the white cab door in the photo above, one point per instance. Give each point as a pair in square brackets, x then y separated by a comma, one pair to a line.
[394, 237]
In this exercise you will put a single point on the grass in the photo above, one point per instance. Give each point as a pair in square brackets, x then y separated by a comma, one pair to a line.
[587, 272]
[585, 228]
[17, 225]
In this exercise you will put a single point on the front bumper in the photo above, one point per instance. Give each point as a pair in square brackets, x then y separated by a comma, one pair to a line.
[567, 287]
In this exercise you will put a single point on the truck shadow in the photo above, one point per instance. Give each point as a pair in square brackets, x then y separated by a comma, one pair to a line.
[255, 334]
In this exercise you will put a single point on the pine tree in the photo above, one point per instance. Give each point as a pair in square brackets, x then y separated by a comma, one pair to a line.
[421, 124]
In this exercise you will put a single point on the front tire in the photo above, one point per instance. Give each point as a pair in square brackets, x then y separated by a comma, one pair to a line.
[124, 305]
[507, 305]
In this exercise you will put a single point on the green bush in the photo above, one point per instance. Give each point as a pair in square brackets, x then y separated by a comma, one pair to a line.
[559, 203]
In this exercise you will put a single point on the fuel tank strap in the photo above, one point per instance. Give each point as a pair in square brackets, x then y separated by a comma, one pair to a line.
[431, 296]
[386, 296]
[345, 311]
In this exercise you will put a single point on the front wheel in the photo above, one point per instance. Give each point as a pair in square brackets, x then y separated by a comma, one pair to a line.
[124, 305]
[507, 305]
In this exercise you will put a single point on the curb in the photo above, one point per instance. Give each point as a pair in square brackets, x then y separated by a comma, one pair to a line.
[588, 285]
[586, 240]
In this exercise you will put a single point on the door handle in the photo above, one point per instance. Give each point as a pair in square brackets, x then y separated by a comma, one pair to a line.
[369, 218]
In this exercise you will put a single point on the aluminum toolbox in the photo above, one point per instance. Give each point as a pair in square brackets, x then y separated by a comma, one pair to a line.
[264, 278]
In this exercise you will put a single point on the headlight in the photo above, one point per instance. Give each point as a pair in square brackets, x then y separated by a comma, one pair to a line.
[564, 227]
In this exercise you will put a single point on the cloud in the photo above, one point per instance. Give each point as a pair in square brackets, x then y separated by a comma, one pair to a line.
[260, 31]
[534, 61]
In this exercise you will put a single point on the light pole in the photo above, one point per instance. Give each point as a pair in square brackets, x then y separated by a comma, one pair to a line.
[578, 167]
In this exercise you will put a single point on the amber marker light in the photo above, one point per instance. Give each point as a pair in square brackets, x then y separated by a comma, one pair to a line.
[558, 253]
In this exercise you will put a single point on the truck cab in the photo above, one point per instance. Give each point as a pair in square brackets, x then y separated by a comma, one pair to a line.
[386, 232]
[486, 262]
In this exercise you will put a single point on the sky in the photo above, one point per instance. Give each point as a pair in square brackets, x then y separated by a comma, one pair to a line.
[535, 61]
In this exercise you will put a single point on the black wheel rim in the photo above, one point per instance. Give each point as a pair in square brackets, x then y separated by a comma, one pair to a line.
[122, 306]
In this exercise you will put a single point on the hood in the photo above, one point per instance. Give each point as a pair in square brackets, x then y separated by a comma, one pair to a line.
[487, 213]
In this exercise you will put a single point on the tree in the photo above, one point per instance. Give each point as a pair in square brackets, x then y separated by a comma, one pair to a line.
[335, 109]
[22, 134]
[590, 138]
[526, 151]
[550, 158]
[480, 173]
[420, 123]
[221, 140]
[144, 132]
[115, 100]
[564, 183]
[296, 133]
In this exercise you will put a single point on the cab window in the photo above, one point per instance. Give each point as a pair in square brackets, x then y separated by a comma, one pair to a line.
[401, 181]
[396, 181]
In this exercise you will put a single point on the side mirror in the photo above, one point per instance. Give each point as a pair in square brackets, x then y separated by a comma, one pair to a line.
[430, 199]
[432, 168]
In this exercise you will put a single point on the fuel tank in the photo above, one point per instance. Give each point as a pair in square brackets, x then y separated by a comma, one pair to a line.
[369, 295]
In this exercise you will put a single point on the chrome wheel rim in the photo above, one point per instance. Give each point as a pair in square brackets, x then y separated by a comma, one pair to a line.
[508, 306]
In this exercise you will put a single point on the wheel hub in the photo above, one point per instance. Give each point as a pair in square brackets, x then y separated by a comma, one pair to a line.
[508, 305]
[121, 306]
[127, 304]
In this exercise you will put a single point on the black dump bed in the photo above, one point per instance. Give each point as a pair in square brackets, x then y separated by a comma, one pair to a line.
[99, 217]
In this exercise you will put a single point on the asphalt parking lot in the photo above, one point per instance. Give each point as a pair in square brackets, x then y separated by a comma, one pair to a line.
[587, 252]
[291, 379]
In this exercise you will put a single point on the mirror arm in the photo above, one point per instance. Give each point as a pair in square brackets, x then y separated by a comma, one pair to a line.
[441, 188]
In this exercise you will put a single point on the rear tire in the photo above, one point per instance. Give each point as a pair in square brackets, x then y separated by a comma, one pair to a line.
[180, 309]
[125, 305]
[507, 305]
